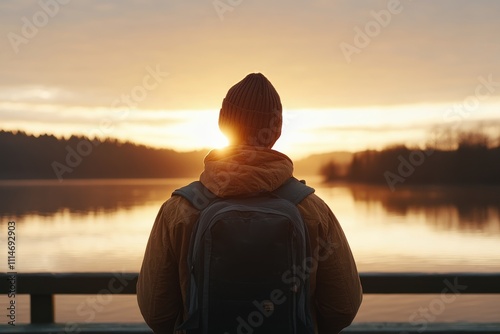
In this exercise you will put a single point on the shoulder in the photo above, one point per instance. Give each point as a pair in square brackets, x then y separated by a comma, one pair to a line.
[178, 211]
[313, 206]
[315, 211]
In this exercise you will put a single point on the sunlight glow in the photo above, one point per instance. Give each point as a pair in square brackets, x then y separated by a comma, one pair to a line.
[304, 132]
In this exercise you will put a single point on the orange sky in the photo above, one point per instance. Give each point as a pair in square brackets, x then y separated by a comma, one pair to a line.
[65, 68]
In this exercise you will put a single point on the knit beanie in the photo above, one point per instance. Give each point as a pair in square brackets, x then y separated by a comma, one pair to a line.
[251, 113]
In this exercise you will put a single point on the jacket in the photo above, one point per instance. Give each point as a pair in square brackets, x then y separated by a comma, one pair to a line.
[335, 288]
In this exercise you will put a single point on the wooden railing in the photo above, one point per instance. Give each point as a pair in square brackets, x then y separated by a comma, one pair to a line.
[42, 287]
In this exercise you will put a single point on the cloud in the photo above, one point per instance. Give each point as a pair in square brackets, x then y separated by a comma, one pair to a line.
[431, 52]
[484, 124]
[84, 117]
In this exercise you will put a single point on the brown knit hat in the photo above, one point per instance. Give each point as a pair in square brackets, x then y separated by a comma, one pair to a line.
[251, 112]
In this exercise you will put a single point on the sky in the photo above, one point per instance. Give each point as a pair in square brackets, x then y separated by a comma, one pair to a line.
[352, 75]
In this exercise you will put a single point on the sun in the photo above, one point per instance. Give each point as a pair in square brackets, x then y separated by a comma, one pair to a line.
[218, 140]
[206, 131]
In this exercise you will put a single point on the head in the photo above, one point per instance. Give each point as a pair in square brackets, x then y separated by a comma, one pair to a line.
[251, 113]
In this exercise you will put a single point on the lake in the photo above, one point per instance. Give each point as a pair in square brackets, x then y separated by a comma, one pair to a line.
[103, 225]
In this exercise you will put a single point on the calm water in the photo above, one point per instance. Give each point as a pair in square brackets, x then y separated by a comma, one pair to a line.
[103, 225]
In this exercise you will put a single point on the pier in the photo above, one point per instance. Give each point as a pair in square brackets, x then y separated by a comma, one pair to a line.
[42, 287]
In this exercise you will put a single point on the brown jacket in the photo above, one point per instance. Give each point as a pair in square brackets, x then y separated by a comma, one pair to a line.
[161, 289]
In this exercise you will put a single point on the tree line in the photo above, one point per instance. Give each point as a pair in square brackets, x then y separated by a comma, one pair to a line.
[474, 159]
[25, 156]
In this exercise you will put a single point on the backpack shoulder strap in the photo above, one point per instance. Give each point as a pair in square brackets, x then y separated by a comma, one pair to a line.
[197, 194]
[293, 190]
[200, 197]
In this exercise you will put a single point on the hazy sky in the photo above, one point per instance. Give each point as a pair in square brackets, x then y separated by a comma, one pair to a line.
[351, 74]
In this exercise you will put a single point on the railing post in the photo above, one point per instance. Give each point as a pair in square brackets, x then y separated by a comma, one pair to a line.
[42, 309]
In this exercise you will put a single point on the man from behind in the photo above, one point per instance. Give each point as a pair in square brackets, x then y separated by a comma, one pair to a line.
[251, 117]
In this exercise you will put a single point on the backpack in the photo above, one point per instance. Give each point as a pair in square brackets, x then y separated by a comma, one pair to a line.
[247, 260]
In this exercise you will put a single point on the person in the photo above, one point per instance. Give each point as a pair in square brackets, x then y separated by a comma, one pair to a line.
[251, 117]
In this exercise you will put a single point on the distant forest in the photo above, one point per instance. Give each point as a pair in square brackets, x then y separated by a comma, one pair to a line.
[473, 158]
[25, 156]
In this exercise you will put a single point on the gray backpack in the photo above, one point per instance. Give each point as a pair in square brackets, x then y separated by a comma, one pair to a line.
[247, 261]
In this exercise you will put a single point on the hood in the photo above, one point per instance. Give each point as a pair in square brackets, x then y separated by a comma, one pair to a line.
[239, 170]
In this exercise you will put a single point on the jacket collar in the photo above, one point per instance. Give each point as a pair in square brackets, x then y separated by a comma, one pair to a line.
[238, 170]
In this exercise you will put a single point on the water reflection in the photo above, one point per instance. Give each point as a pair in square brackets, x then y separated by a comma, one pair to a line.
[472, 208]
[80, 197]
[67, 226]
